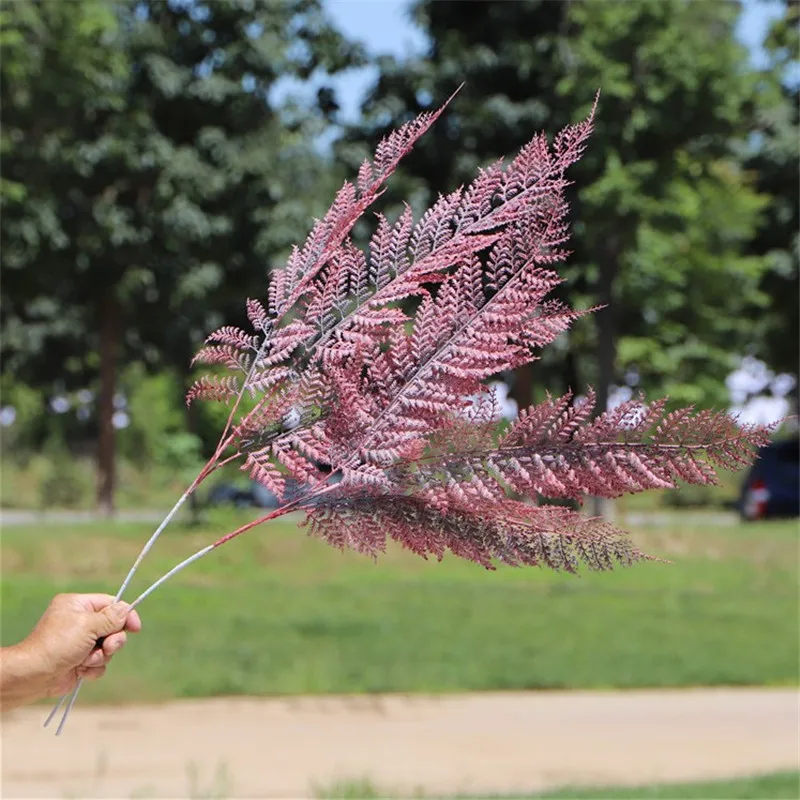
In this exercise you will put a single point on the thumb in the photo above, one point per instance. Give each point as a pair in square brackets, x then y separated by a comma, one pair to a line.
[111, 619]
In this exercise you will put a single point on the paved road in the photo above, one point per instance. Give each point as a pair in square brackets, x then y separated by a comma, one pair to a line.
[21, 516]
[656, 519]
[485, 743]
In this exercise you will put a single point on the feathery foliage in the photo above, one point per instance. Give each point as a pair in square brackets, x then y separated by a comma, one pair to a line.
[373, 367]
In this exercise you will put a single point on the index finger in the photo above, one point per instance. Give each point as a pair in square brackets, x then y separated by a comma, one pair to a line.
[95, 601]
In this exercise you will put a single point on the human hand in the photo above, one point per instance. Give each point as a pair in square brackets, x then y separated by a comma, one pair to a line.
[63, 646]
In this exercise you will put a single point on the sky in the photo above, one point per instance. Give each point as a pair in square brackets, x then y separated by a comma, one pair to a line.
[385, 27]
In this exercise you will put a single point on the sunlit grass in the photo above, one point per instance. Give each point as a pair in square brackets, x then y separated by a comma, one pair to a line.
[276, 612]
[760, 787]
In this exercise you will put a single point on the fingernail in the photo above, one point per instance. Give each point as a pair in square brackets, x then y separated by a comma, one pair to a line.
[117, 646]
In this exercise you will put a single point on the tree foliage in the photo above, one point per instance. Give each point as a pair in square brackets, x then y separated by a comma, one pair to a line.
[665, 209]
[775, 161]
[149, 178]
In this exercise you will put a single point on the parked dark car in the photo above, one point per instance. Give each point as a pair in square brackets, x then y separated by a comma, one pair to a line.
[772, 487]
[230, 494]
[255, 495]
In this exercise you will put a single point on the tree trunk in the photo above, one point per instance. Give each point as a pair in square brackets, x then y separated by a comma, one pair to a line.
[572, 381]
[110, 327]
[606, 343]
[191, 426]
[522, 387]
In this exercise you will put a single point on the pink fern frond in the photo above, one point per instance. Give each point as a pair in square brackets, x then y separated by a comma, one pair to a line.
[351, 203]
[265, 473]
[258, 316]
[262, 381]
[508, 532]
[228, 356]
[234, 337]
[213, 387]
[373, 368]
[480, 196]
[389, 248]
[555, 450]
[436, 227]
[375, 363]
[300, 467]
[399, 143]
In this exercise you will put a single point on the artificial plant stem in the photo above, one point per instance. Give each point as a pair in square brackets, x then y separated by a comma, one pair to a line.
[72, 697]
[174, 571]
[200, 553]
[220, 464]
[152, 540]
[224, 441]
[142, 553]
[71, 703]
[278, 512]
[212, 464]
[55, 710]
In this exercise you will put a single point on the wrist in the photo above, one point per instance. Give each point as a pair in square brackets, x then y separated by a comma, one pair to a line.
[23, 678]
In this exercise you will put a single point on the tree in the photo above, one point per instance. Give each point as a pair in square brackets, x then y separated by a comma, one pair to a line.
[668, 209]
[775, 161]
[507, 96]
[150, 179]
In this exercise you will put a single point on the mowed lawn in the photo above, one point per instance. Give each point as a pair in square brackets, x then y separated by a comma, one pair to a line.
[275, 612]
[759, 787]
[767, 787]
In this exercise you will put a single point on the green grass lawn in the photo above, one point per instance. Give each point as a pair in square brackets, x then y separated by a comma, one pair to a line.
[777, 785]
[759, 787]
[275, 612]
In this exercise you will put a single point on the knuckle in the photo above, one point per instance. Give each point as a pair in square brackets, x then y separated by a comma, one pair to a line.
[94, 673]
[94, 660]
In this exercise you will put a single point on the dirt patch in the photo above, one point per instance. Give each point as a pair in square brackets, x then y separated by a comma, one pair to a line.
[489, 743]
